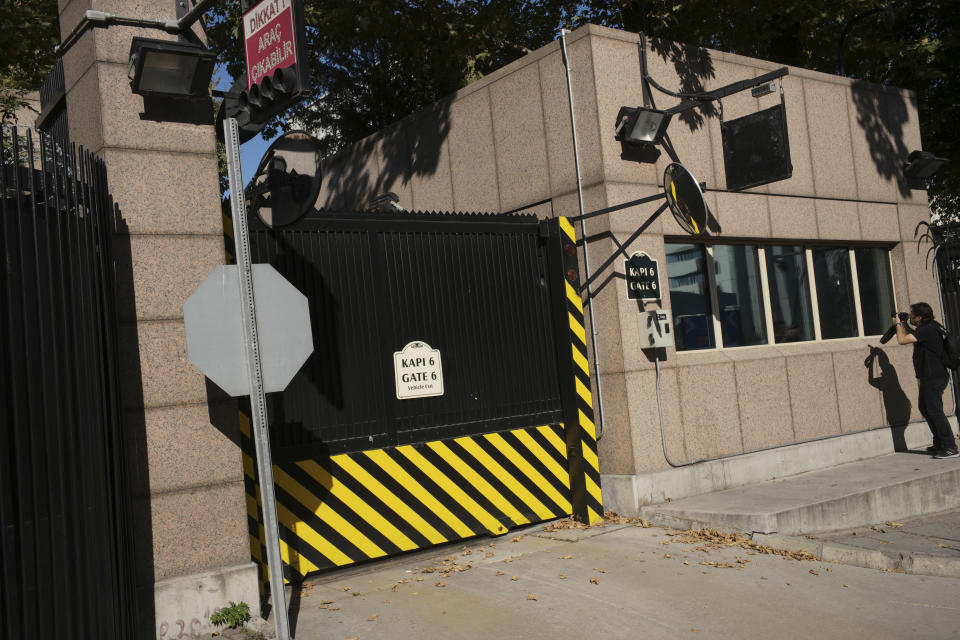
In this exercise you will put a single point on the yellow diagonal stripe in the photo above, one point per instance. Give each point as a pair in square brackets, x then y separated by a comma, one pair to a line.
[248, 466]
[528, 470]
[326, 513]
[577, 328]
[584, 393]
[593, 489]
[343, 493]
[587, 425]
[244, 421]
[554, 439]
[574, 297]
[590, 457]
[505, 477]
[389, 498]
[306, 533]
[548, 461]
[567, 228]
[255, 548]
[593, 516]
[492, 524]
[477, 481]
[419, 492]
[295, 561]
[580, 359]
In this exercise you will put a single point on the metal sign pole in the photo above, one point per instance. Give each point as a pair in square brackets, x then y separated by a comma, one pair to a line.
[258, 400]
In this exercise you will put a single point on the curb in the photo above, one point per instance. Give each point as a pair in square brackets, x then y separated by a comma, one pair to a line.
[917, 563]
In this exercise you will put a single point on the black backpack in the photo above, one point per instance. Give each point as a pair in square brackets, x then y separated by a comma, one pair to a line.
[950, 357]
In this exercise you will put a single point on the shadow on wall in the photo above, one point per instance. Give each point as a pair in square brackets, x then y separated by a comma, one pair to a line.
[386, 161]
[693, 66]
[134, 428]
[896, 405]
[882, 116]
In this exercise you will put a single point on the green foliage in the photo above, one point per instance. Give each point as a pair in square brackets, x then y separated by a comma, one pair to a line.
[234, 615]
[375, 61]
[30, 33]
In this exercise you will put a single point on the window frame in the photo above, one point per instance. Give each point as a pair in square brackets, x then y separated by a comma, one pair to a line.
[761, 248]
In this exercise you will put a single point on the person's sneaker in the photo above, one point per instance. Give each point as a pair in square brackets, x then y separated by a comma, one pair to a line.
[947, 453]
[933, 448]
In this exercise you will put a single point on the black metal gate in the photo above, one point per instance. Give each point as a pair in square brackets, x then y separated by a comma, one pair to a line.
[474, 284]
[364, 469]
[65, 552]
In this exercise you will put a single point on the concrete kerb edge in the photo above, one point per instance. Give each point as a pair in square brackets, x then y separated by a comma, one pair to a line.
[916, 563]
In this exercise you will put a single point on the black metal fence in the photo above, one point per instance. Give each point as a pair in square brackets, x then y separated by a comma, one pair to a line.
[472, 286]
[65, 549]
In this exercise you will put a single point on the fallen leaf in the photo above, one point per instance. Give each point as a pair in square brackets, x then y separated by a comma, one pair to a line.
[372, 618]
[685, 562]
[562, 577]
[489, 554]
[846, 585]
[566, 557]
[877, 527]
[600, 570]
[514, 578]
[517, 539]
[418, 579]
[441, 584]
[894, 524]
[467, 552]
[694, 630]
[345, 589]
[814, 572]
[667, 555]
[326, 602]
[594, 580]
[499, 573]
[530, 596]
[334, 609]
[323, 606]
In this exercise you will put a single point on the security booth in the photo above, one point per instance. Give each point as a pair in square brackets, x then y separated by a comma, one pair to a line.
[448, 394]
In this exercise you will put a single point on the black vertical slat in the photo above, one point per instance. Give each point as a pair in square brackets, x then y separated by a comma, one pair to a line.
[25, 460]
[10, 516]
[59, 589]
[39, 413]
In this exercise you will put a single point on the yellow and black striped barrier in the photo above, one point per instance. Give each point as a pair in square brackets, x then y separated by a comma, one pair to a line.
[359, 506]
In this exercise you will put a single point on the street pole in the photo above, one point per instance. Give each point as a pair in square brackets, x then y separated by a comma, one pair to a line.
[258, 401]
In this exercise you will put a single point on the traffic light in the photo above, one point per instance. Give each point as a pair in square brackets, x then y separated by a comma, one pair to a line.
[272, 94]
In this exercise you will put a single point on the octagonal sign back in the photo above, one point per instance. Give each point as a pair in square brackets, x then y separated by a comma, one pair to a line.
[214, 325]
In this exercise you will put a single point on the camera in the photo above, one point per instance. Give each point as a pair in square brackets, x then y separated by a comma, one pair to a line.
[904, 316]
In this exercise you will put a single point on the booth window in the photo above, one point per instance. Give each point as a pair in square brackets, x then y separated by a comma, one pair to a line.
[838, 314]
[790, 303]
[690, 296]
[753, 295]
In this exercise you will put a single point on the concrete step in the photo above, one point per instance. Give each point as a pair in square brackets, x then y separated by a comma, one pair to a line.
[889, 487]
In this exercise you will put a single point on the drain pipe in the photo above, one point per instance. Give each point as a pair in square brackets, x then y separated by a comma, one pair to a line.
[583, 236]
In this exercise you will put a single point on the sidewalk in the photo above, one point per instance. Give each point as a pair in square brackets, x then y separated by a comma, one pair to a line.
[623, 580]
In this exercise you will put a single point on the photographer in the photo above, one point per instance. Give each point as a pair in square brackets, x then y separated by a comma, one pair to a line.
[931, 375]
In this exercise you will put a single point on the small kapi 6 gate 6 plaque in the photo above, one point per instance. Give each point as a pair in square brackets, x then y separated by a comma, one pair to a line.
[418, 371]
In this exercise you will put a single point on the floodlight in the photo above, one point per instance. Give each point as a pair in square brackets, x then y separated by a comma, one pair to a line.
[641, 125]
[169, 68]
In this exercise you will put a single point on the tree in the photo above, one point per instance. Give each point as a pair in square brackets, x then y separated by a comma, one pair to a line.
[375, 61]
[26, 52]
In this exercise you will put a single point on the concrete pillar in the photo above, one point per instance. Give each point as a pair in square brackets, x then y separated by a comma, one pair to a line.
[184, 461]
